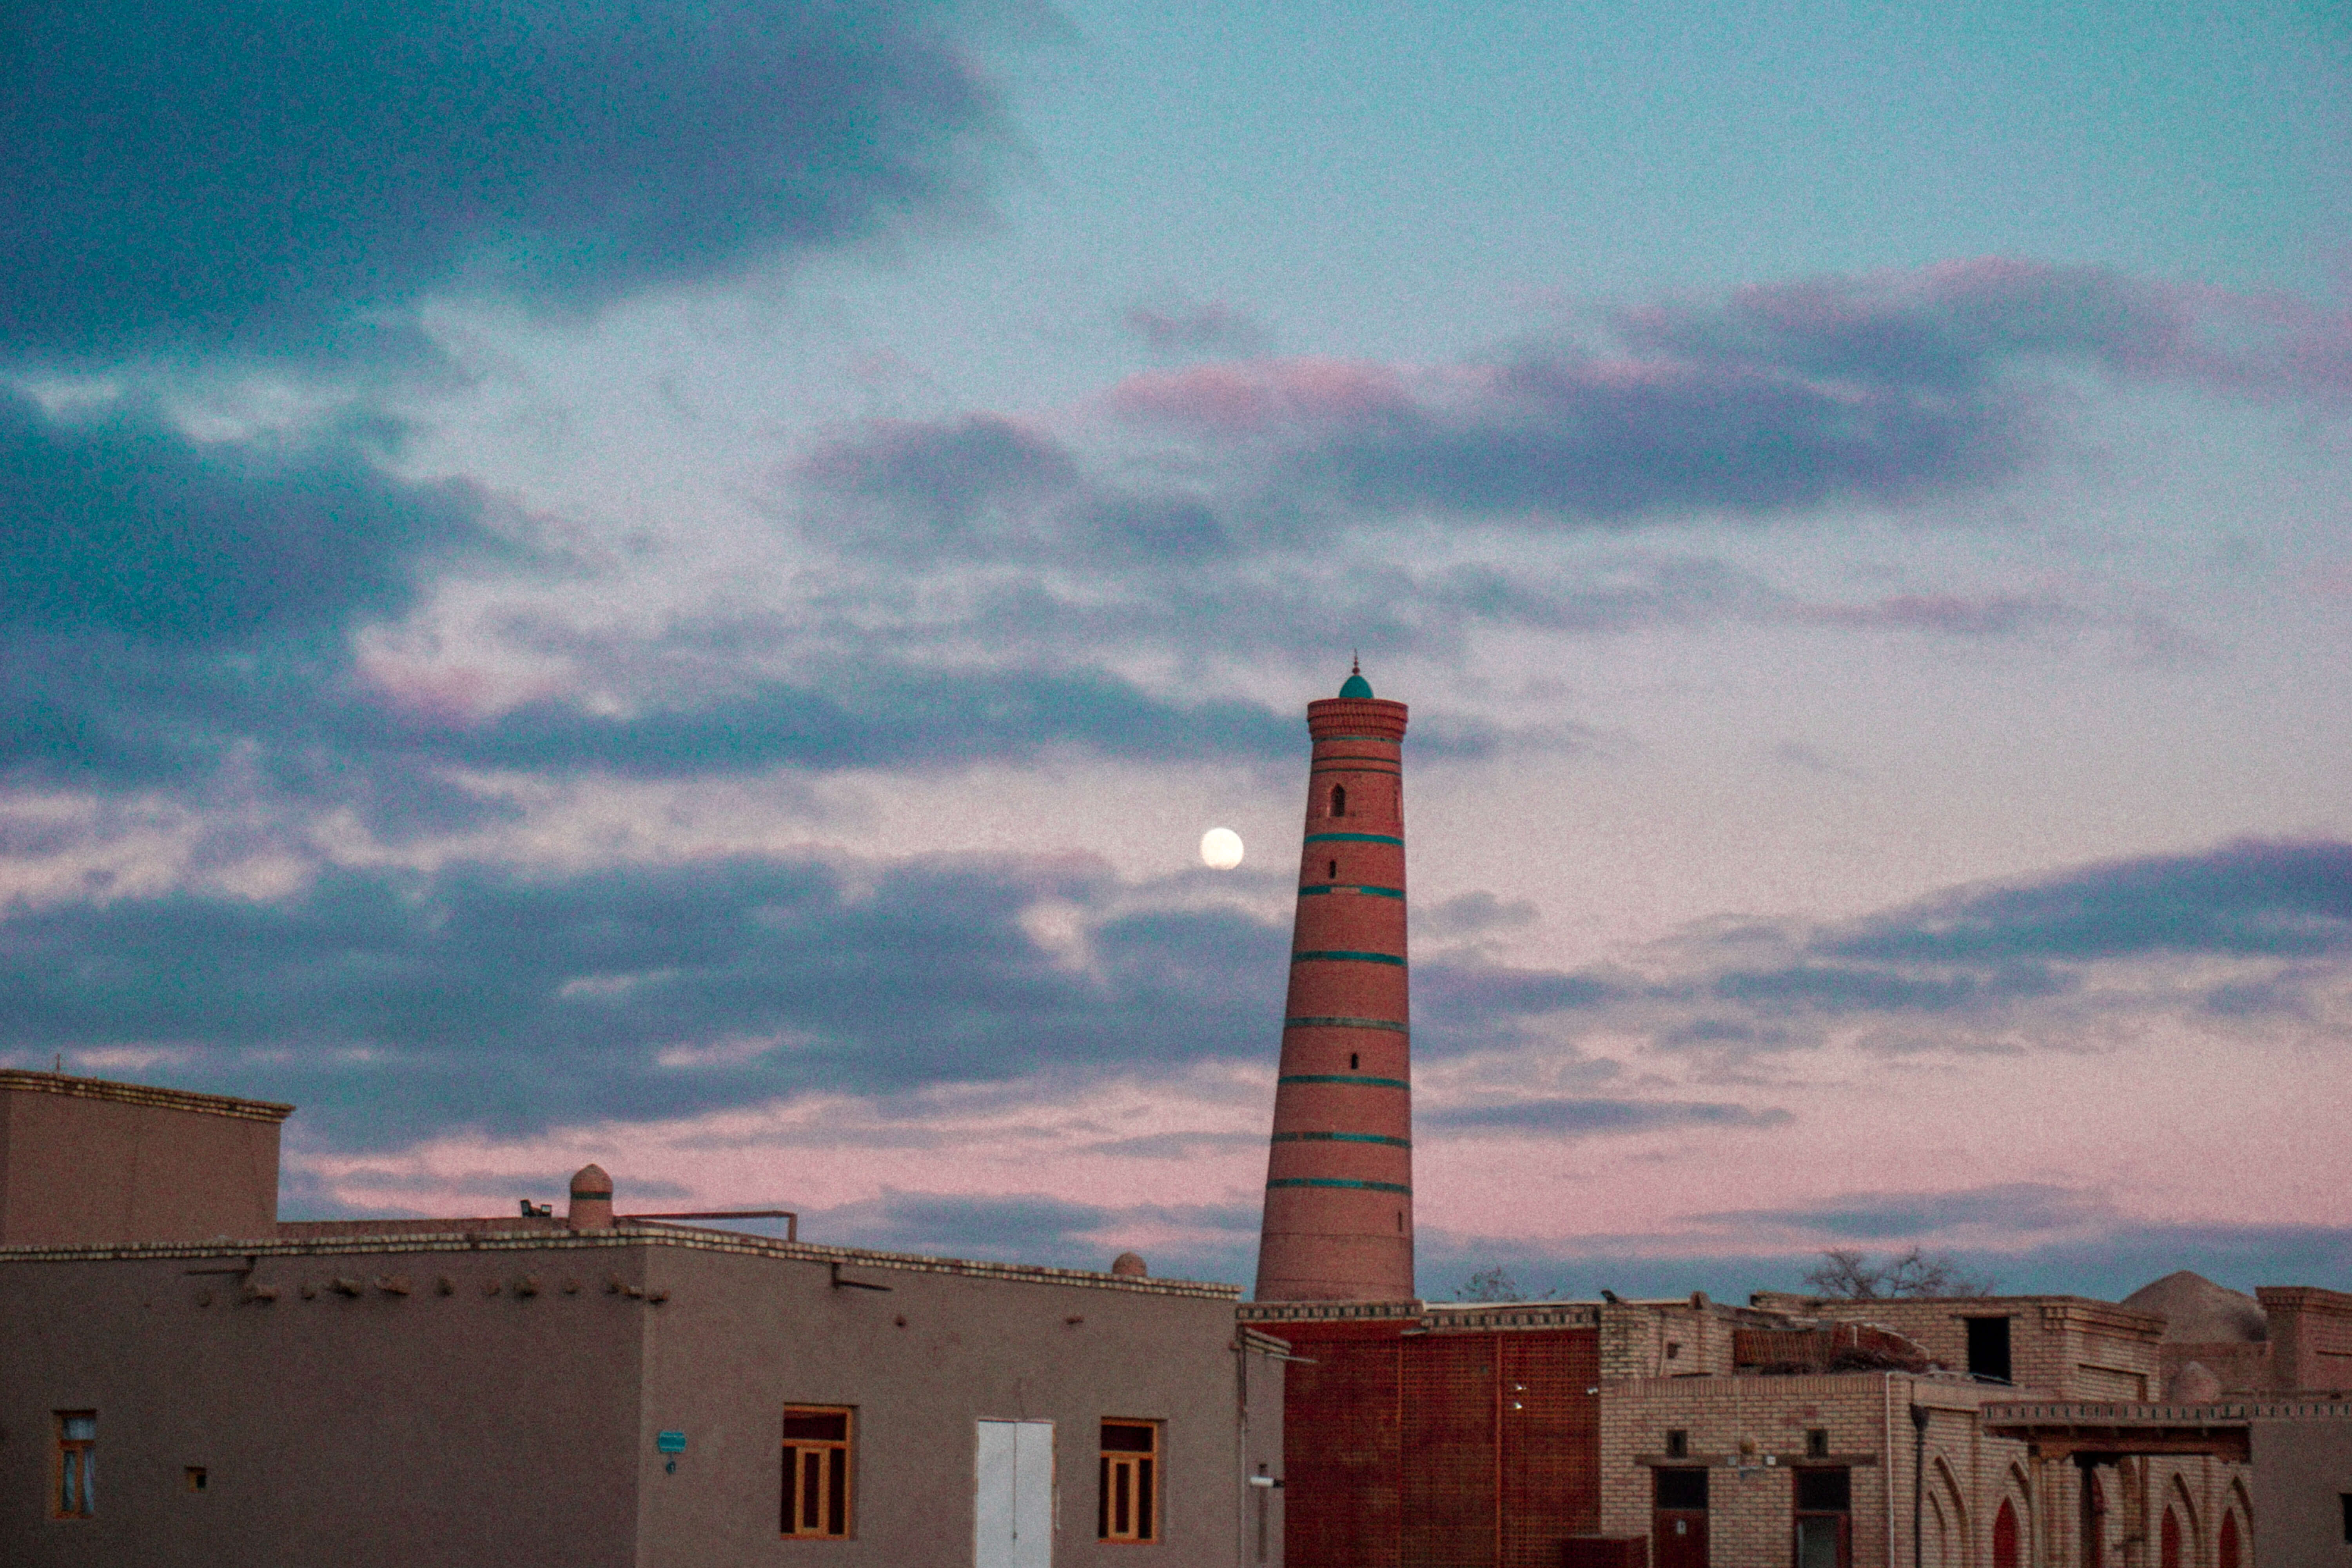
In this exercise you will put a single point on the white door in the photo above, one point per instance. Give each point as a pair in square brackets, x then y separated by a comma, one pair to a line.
[1012, 1509]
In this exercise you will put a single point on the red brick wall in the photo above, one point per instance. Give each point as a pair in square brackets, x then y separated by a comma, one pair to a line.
[1439, 1450]
[1342, 1506]
[1551, 1446]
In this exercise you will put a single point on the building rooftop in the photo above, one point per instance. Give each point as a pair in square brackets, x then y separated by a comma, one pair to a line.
[338, 1237]
[2197, 1311]
[23, 1081]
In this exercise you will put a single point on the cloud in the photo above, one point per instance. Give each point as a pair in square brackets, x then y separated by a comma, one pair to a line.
[168, 599]
[1957, 323]
[392, 1005]
[884, 716]
[1471, 914]
[945, 485]
[1951, 615]
[1194, 327]
[985, 487]
[2245, 936]
[121, 524]
[2017, 1208]
[2253, 899]
[245, 176]
[1183, 1241]
[1562, 1117]
[1881, 390]
[2104, 1261]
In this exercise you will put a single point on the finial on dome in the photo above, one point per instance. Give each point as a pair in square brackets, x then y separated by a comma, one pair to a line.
[1355, 685]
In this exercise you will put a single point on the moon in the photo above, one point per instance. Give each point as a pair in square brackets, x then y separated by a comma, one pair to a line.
[1222, 847]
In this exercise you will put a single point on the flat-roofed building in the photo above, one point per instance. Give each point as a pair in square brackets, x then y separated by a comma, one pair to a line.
[593, 1388]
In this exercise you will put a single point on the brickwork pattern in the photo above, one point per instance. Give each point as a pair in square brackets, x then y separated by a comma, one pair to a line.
[1339, 1193]
[1440, 1441]
[2062, 1347]
[1750, 1432]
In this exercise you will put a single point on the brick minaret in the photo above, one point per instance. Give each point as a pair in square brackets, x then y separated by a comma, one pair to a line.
[1339, 1188]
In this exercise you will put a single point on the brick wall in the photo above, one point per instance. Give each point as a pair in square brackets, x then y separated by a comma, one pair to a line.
[1432, 1443]
[2070, 1346]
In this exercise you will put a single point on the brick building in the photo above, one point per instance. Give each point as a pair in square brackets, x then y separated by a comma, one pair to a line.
[1823, 1434]
[1998, 1432]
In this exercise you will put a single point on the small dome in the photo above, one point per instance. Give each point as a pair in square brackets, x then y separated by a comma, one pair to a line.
[2194, 1385]
[1355, 685]
[1128, 1265]
[591, 1179]
[2198, 1312]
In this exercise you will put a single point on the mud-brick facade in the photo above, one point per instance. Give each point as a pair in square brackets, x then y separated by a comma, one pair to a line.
[591, 1389]
[88, 1160]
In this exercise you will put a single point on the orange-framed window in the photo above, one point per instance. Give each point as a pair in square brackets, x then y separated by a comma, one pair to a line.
[77, 1473]
[1129, 1507]
[816, 1471]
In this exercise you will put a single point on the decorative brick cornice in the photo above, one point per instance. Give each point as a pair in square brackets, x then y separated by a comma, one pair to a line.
[1430, 1317]
[26, 1082]
[2303, 1298]
[2220, 1414]
[448, 1242]
[2098, 1314]
[1328, 1312]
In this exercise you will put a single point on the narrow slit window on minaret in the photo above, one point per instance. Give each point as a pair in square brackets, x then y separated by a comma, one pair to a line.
[1338, 800]
[1333, 875]
[1351, 1058]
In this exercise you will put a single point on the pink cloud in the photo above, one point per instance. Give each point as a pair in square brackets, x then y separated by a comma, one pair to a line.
[1232, 399]
[1989, 615]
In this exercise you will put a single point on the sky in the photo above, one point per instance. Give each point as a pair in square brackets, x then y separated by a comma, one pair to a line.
[677, 584]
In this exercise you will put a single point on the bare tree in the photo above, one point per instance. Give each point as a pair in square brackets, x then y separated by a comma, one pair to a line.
[1849, 1275]
[1494, 1284]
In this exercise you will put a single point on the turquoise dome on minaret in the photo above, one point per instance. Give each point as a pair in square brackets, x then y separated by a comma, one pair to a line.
[1355, 685]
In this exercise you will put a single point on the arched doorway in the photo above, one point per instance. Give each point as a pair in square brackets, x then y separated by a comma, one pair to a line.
[2004, 1536]
[2229, 1556]
[2167, 1548]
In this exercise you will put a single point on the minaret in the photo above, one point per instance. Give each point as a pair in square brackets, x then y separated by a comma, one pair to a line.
[1339, 1187]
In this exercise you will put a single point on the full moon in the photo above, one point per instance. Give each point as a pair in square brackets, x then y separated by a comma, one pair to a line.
[1222, 847]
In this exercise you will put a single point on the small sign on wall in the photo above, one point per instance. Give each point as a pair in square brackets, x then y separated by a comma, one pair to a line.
[669, 1442]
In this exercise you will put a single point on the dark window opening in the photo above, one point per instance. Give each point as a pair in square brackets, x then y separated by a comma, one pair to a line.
[1678, 1445]
[1678, 1488]
[1332, 875]
[2347, 1497]
[196, 1477]
[1672, 1351]
[1823, 1518]
[1351, 1058]
[1338, 800]
[816, 1473]
[1400, 1220]
[1817, 1444]
[1988, 1349]
[1825, 1492]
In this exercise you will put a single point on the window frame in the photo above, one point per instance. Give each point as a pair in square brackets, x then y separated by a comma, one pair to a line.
[838, 1473]
[1147, 1493]
[75, 1456]
[1842, 1525]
